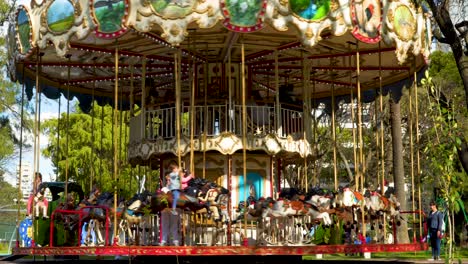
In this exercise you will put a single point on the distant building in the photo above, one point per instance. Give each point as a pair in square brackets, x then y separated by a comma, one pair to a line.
[26, 178]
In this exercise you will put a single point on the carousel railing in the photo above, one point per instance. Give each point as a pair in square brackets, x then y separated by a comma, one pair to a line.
[219, 118]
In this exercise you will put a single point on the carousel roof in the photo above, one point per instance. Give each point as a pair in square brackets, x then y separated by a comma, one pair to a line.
[319, 36]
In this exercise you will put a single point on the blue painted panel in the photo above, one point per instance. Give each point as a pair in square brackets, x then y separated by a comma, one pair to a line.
[254, 186]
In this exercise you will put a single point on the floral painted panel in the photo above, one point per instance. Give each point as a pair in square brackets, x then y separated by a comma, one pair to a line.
[60, 16]
[310, 9]
[24, 31]
[173, 8]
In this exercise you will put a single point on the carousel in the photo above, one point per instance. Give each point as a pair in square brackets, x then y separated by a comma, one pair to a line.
[232, 91]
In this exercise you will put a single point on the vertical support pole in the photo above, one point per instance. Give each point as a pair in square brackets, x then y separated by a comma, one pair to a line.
[410, 124]
[20, 165]
[143, 99]
[361, 146]
[205, 115]
[92, 130]
[314, 133]
[279, 126]
[192, 119]
[382, 139]
[116, 123]
[177, 56]
[35, 159]
[229, 205]
[333, 127]
[244, 138]
[306, 116]
[418, 164]
[68, 129]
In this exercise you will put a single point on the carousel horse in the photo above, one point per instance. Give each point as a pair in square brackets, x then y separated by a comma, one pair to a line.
[162, 200]
[133, 216]
[97, 215]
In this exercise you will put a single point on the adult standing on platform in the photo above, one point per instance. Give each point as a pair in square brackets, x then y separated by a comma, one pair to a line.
[435, 223]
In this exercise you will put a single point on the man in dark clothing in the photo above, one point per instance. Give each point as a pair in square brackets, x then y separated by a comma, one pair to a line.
[434, 223]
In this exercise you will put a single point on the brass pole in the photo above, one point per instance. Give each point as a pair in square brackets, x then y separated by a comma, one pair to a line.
[305, 120]
[244, 137]
[143, 99]
[278, 106]
[410, 124]
[192, 118]
[68, 129]
[116, 129]
[382, 138]
[314, 133]
[333, 127]
[177, 94]
[36, 145]
[361, 146]
[230, 112]
[92, 129]
[205, 116]
[20, 165]
[418, 164]
[132, 92]
[353, 122]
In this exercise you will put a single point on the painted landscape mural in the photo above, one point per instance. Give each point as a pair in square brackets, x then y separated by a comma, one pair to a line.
[60, 15]
[244, 12]
[173, 8]
[310, 9]
[109, 15]
[24, 30]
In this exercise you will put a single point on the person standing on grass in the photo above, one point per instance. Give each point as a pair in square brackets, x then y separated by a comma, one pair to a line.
[435, 223]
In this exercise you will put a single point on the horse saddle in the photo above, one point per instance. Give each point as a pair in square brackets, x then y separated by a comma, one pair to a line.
[296, 205]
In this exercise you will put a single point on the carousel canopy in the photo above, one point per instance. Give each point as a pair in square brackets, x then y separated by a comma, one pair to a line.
[71, 45]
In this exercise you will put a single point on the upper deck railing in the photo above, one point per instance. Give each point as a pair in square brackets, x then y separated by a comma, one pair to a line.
[216, 119]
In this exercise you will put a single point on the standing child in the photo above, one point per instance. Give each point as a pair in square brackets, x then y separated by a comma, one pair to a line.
[173, 185]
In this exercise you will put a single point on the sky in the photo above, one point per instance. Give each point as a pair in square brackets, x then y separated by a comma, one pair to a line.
[49, 109]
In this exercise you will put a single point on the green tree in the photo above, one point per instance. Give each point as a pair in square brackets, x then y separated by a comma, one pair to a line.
[444, 130]
[91, 155]
[452, 30]
[10, 102]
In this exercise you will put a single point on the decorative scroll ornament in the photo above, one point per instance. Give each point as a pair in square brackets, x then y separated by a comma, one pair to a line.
[173, 19]
[400, 27]
[110, 17]
[243, 15]
[367, 20]
[60, 20]
[24, 36]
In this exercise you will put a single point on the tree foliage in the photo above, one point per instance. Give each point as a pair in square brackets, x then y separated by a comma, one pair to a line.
[90, 156]
[446, 130]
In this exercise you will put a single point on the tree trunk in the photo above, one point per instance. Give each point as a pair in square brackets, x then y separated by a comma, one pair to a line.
[398, 171]
[441, 14]
[346, 163]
